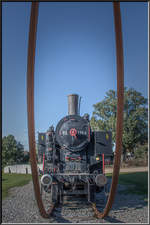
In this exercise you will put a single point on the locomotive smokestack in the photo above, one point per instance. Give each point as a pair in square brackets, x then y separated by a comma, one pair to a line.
[73, 108]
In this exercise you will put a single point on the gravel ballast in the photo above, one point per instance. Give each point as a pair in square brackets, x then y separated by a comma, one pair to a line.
[21, 207]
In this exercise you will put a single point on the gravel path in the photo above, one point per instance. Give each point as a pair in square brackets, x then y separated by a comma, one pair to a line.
[20, 207]
[128, 169]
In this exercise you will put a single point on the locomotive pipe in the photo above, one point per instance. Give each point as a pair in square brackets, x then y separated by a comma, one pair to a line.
[73, 104]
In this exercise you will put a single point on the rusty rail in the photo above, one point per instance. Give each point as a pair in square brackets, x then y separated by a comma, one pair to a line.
[120, 106]
[30, 109]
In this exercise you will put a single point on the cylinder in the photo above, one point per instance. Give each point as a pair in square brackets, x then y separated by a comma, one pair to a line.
[46, 180]
[73, 104]
[100, 180]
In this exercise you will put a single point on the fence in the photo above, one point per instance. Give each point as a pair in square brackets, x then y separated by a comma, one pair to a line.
[22, 169]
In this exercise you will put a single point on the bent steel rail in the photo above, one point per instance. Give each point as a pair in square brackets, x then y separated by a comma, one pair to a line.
[120, 106]
[30, 109]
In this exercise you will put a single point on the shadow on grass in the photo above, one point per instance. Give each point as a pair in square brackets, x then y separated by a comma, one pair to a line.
[135, 189]
[135, 183]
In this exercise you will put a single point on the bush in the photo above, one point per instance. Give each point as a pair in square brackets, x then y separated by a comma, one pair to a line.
[136, 162]
[124, 165]
[141, 152]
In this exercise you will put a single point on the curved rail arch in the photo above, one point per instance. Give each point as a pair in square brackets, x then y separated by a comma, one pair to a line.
[30, 109]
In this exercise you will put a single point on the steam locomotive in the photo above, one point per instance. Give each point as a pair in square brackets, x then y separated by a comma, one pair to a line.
[73, 156]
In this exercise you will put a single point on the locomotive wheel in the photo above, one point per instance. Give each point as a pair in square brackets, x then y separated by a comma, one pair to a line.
[30, 110]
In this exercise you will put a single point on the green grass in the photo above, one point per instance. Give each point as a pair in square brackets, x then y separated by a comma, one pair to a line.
[13, 180]
[137, 183]
[138, 179]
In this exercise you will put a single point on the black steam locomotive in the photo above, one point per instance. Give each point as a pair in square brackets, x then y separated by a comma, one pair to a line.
[73, 156]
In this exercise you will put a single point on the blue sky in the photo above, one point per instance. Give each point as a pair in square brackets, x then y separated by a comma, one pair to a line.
[75, 53]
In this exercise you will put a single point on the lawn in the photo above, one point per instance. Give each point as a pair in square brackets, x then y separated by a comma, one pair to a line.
[137, 182]
[138, 179]
[13, 180]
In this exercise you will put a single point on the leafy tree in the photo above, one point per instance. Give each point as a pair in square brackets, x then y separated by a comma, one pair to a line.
[12, 151]
[9, 147]
[135, 118]
[26, 158]
[19, 155]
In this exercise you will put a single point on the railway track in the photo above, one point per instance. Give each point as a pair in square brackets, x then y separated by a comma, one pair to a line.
[76, 208]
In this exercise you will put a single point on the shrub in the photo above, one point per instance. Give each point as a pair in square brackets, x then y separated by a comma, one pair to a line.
[136, 162]
[141, 152]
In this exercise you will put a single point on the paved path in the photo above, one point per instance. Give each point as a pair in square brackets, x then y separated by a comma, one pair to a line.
[129, 169]
[27, 169]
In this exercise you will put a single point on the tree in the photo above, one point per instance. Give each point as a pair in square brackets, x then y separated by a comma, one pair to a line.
[135, 118]
[9, 147]
[26, 157]
[19, 155]
[12, 151]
